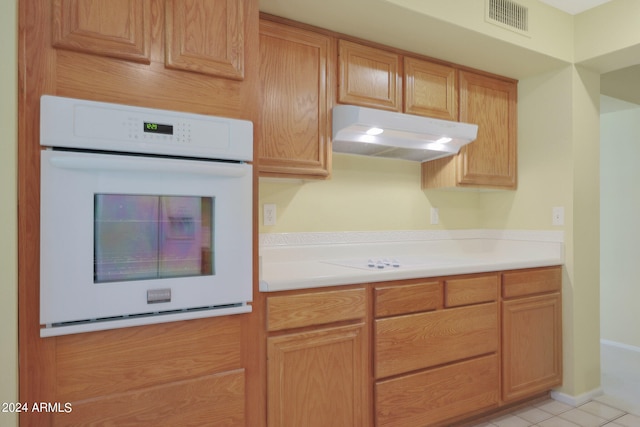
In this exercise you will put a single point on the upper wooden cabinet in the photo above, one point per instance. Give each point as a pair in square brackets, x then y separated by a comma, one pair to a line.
[100, 28]
[430, 89]
[206, 36]
[369, 77]
[203, 36]
[373, 77]
[490, 160]
[296, 71]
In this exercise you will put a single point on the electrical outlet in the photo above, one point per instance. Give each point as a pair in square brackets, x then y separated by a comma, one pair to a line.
[435, 216]
[269, 214]
[557, 216]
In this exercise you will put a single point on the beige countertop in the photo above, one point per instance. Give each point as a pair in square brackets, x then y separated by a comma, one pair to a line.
[310, 260]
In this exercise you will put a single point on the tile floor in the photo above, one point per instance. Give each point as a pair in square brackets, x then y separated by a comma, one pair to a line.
[551, 413]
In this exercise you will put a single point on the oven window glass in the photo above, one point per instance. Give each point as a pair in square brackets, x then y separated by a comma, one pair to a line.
[138, 237]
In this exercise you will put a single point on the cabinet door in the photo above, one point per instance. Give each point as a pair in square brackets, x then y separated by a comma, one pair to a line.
[318, 378]
[430, 89]
[531, 345]
[296, 74]
[369, 77]
[206, 36]
[490, 160]
[101, 28]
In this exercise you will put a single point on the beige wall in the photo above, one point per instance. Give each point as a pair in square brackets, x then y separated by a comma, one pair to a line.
[365, 194]
[8, 210]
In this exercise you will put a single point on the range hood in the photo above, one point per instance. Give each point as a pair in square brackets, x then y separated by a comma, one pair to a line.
[372, 132]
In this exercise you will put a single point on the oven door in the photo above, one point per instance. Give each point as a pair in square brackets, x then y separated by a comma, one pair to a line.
[129, 240]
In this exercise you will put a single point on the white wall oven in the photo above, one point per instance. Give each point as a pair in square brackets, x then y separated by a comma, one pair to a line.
[146, 216]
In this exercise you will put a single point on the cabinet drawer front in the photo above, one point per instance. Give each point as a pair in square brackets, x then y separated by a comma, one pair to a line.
[296, 311]
[530, 282]
[405, 299]
[416, 341]
[437, 395]
[472, 290]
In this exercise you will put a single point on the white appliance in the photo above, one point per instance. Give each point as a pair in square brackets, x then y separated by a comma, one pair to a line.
[371, 132]
[146, 216]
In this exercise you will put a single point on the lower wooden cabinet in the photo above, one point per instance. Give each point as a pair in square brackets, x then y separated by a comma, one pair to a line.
[318, 378]
[413, 353]
[531, 333]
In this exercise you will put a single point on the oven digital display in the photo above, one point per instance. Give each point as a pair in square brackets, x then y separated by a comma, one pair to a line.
[151, 127]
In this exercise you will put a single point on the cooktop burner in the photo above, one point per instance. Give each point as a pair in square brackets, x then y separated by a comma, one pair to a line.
[391, 263]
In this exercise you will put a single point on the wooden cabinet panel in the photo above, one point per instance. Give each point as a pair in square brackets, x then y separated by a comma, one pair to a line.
[217, 399]
[318, 378]
[416, 341]
[470, 290]
[491, 160]
[530, 282]
[206, 36]
[113, 28]
[297, 74]
[430, 89]
[531, 345]
[112, 362]
[405, 299]
[315, 308]
[369, 77]
[491, 104]
[437, 395]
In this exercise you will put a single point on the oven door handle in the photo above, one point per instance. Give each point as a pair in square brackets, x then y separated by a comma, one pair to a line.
[108, 163]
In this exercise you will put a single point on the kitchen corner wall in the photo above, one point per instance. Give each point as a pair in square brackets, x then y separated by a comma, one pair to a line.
[8, 209]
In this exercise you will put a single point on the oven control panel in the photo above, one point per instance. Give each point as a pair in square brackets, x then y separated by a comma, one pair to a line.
[115, 127]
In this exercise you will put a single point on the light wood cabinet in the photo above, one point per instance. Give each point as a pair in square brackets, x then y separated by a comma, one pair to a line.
[206, 36]
[317, 367]
[101, 29]
[297, 78]
[125, 32]
[433, 363]
[369, 77]
[430, 89]
[531, 332]
[373, 77]
[491, 160]
[413, 353]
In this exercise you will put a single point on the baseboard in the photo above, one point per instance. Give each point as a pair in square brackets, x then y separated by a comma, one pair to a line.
[576, 400]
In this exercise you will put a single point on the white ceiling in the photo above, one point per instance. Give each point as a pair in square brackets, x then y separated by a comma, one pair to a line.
[574, 6]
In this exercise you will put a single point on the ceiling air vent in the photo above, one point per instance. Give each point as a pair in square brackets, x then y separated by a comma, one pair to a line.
[508, 14]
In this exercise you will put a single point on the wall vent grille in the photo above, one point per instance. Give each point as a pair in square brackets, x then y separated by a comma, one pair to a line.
[509, 15]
